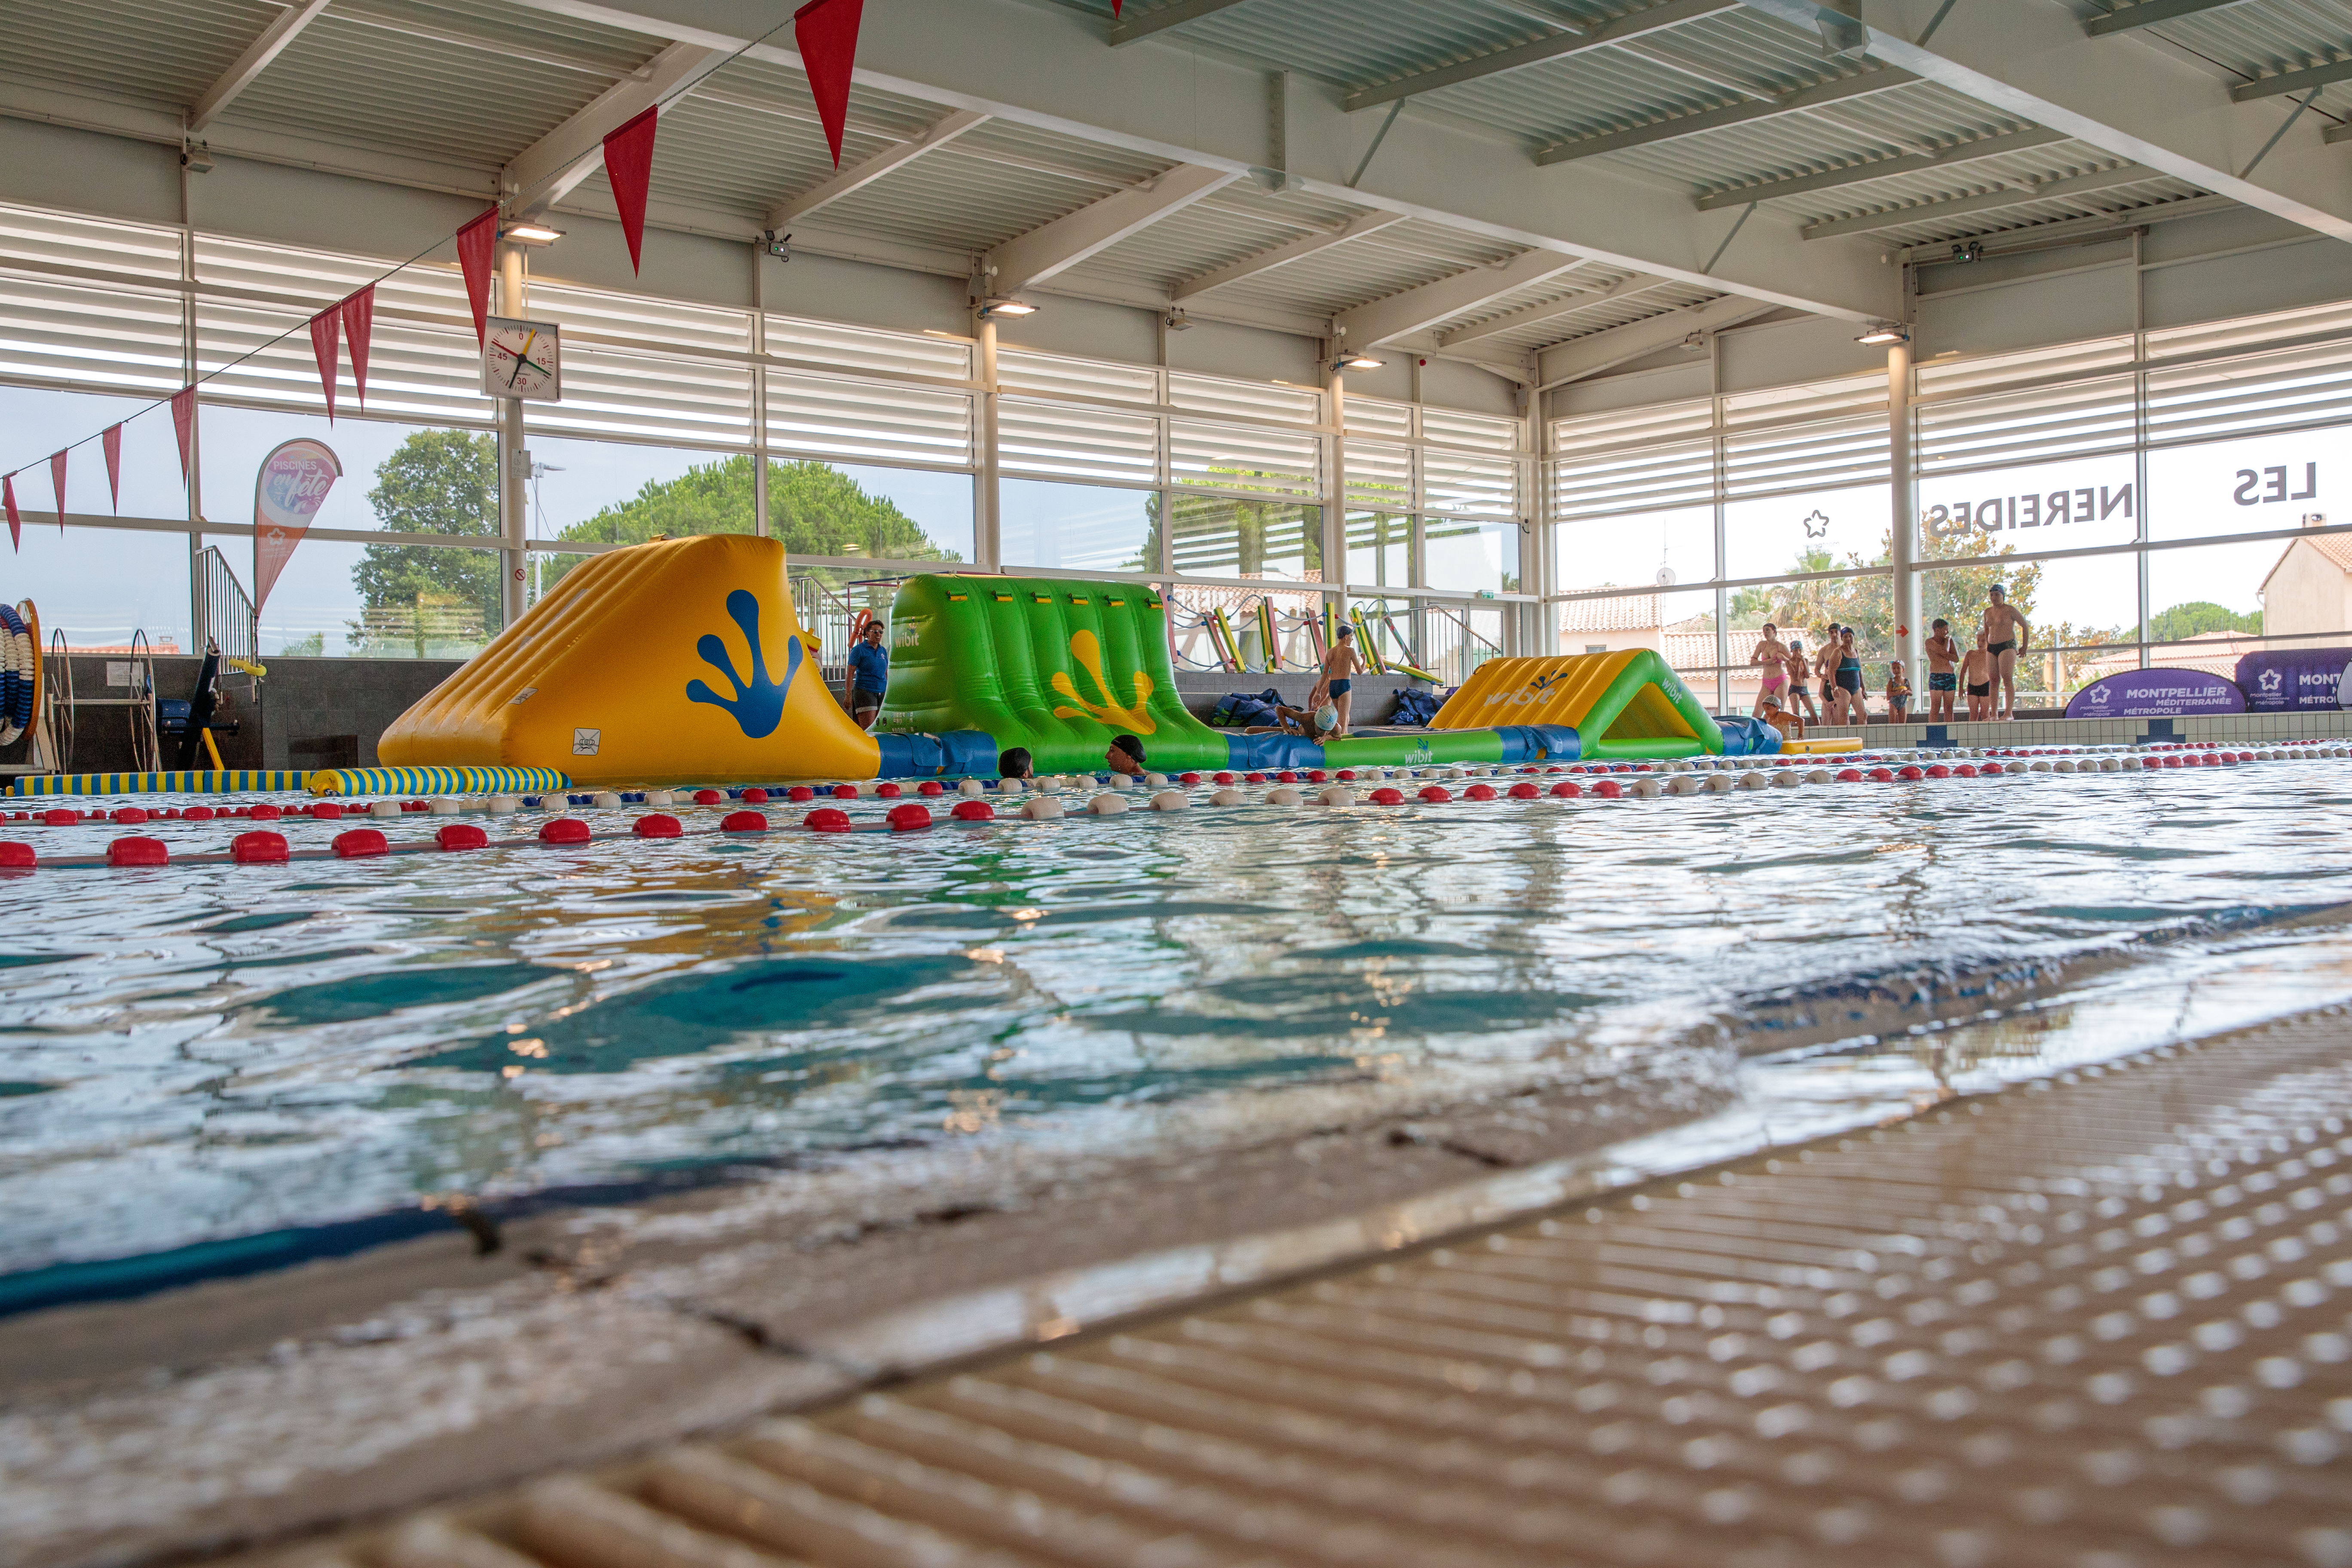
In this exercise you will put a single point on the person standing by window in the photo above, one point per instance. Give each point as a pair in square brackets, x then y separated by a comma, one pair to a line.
[869, 675]
[1339, 667]
[1773, 656]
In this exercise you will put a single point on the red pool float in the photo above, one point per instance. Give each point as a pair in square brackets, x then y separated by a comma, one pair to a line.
[1254, 778]
[1286, 776]
[754, 796]
[1568, 789]
[60, 817]
[965, 811]
[2172, 761]
[708, 798]
[564, 830]
[1316, 775]
[908, 818]
[742, 822]
[931, 786]
[1436, 793]
[264, 814]
[1189, 780]
[659, 825]
[827, 819]
[1387, 797]
[455, 836]
[326, 810]
[15, 856]
[137, 851]
[1910, 770]
[1523, 791]
[200, 813]
[1848, 775]
[260, 848]
[360, 842]
[1479, 792]
[887, 791]
[844, 791]
[1609, 789]
[1938, 772]
[1346, 776]
[1224, 778]
[1882, 776]
[129, 815]
[1965, 770]
[800, 792]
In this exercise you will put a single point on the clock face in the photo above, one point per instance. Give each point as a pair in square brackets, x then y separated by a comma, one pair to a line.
[523, 360]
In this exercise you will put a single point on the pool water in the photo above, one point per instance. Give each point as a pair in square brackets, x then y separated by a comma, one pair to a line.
[201, 1058]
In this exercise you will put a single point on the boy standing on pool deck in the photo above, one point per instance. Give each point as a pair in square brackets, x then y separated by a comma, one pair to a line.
[1338, 666]
[1976, 674]
[1943, 655]
[2005, 633]
[869, 675]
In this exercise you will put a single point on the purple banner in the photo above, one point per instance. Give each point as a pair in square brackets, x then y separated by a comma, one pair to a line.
[2286, 680]
[2158, 694]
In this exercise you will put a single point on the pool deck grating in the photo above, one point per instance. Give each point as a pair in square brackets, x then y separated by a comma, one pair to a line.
[2099, 1320]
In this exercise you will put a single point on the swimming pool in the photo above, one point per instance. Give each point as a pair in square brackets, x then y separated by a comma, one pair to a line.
[199, 1062]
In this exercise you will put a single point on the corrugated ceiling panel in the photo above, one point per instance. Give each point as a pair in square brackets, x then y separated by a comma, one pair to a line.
[1337, 277]
[1369, 40]
[1879, 125]
[1202, 238]
[1933, 229]
[958, 203]
[152, 51]
[374, 89]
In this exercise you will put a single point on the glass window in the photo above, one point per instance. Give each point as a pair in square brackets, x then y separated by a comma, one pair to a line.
[1459, 639]
[2086, 604]
[1389, 630]
[337, 598]
[2249, 487]
[1471, 556]
[1216, 536]
[39, 421]
[1379, 549]
[1819, 530]
[1077, 528]
[1629, 552]
[2230, 594]
[100, 584]
[2052, 506]
[405, 479]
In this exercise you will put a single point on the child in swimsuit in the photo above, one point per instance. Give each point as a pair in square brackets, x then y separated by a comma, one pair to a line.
[1770, 654]
[1898, 694]
[1800, 672]
[1943, 655]
[1976, 671]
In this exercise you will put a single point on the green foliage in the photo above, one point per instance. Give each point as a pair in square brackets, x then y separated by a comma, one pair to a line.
[813, 508]
[2198, 617]
[312, 647]
[420, 599]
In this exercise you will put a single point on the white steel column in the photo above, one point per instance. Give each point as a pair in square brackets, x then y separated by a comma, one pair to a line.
[987, 534]
[196, 429]
[759, 389]
[1722, 544]
[1906, 488]
[514, 461]
[1335, 486]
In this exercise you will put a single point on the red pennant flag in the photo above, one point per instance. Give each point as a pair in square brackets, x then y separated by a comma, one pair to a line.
[58, 477]
[477, 245]
[113, 442]
[826, 31]
[183, 425]
[9, 499]
[325, 331]
[629, 165]
[358, 320]
[1113, 10]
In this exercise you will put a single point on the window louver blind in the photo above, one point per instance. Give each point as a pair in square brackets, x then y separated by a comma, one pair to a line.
[1098, 381]
[1482, 432]
[1633, 459]
[867, 421]
[1073, 441]
[1379, 477]
[1804, 438]
[97, 339]
[2239, 396]
[1247, 458]
[862, 349]
[1213, 394]
[2047, 424]
[426, 370]
[1464, 484]
[1379, 419]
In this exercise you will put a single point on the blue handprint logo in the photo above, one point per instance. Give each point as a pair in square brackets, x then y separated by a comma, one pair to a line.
[757, 705]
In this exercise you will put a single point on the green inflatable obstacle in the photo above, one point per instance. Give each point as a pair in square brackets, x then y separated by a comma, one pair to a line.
[1052, 664]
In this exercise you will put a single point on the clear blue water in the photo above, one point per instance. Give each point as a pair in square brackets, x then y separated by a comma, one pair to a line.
[217, 1058]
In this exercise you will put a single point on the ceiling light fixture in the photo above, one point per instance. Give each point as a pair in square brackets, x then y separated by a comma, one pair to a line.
[530, 233]
[1885, 332]
[992, 308]
[1357, 362]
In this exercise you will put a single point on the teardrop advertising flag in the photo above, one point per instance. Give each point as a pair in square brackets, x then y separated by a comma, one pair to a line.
[293, 485]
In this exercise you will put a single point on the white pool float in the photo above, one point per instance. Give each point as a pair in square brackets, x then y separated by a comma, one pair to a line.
[1171, 800]
[1106, 805]
[1043, 808]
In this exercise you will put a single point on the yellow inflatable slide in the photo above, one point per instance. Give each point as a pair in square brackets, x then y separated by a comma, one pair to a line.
[681, 661]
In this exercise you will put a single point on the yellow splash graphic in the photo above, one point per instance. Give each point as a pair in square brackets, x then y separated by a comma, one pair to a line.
[1087, 651]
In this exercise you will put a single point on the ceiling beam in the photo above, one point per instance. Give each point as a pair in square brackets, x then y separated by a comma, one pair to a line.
[2280, 83]
[859, 176]
[545, 172]
[1168, 13]
[2148, 12]
[1417, 309]
[1837, 90]
[1536, 51]
[1958, 153]
[1550, 311]
[1984, 201]
[1597, 351]
[2032, 61]
[1058, 247]
[256, 59]
[1284, 255]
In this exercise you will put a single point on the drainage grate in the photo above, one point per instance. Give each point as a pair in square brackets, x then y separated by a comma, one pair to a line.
[2100, 1321]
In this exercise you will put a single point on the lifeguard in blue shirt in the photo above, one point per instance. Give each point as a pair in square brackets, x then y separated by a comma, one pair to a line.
[869, 675]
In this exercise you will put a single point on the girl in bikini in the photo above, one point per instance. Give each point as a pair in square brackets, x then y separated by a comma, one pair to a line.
[1773, 656]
